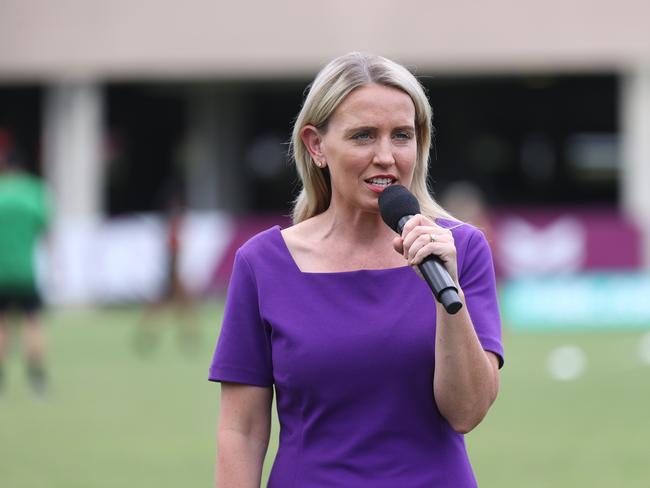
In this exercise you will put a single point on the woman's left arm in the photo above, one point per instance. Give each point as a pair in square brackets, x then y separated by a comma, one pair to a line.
[466, 377]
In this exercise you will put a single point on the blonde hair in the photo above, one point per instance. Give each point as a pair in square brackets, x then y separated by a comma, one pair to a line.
[328, 90]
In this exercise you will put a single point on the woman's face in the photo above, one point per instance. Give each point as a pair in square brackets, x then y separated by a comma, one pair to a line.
[370, 143]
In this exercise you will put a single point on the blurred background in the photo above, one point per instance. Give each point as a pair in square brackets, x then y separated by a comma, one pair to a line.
[161, 130]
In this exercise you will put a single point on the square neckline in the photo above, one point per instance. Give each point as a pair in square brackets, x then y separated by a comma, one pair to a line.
[285, 249]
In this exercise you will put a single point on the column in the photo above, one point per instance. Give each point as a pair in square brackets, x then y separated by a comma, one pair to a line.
[72, 153]
[635, 177]
[215, 174]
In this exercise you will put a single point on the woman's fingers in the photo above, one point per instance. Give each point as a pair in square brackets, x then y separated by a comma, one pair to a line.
[434, 248]
[416, 221]
[398, 245]
[421, 238]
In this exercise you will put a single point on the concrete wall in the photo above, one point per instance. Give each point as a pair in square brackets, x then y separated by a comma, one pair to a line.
[42, 39]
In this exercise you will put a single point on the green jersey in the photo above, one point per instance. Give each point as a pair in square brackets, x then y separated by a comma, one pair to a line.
[23, 219]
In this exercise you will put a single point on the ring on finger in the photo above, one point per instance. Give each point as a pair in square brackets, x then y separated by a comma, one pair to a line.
[432, 237]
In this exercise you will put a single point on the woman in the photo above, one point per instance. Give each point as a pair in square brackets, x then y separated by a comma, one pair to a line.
[376, 384]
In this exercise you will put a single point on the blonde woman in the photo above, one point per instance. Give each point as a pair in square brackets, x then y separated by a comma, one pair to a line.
[376, 384]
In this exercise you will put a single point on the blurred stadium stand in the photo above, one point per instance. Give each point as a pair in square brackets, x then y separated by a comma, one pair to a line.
[544, 106]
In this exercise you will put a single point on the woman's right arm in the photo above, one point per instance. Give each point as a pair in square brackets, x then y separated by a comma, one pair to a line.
[242, 434]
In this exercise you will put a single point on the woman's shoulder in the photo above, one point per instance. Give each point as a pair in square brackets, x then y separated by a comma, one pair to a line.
[262, 242]
[265, 253]
[465, 234]
[458, 227]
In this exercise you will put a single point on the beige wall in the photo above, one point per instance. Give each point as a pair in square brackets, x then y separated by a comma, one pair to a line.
[42, 39]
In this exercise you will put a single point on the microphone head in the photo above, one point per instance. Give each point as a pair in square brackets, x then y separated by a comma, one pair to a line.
[396, 202]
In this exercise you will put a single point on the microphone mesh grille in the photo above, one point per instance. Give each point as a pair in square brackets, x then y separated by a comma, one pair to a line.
[396, 202]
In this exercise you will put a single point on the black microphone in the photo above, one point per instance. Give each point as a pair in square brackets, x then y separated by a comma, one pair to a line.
[397, 205]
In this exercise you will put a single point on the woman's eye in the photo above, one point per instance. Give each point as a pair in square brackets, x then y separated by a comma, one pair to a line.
[403, 135]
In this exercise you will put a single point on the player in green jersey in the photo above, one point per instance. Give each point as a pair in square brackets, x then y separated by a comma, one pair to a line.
[23, 220]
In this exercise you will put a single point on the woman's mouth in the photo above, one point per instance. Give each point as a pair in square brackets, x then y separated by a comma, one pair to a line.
[378, 183]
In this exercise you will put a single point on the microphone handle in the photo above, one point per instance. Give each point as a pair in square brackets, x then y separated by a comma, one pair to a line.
[438, 278]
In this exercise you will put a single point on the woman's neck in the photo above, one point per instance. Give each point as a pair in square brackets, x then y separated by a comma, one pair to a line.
[354, 227]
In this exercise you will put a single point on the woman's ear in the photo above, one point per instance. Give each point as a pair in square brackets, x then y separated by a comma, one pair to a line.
[313, 141]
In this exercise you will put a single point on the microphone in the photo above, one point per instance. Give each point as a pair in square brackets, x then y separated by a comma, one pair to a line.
[397, 205]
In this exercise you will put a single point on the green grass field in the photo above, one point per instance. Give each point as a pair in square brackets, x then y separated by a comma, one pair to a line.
[114, 419]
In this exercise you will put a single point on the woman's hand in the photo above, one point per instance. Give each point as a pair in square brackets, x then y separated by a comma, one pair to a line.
[422, 237]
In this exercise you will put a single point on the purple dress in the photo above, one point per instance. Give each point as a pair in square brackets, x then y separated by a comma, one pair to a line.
[351, 356]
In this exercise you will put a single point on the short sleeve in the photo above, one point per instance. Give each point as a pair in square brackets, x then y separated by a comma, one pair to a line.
[243, 352]
[478, 282]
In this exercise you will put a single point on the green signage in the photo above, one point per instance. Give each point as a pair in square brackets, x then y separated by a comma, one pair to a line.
[581, 301]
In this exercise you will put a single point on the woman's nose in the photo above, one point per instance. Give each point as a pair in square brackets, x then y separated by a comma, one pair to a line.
[384, 152]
